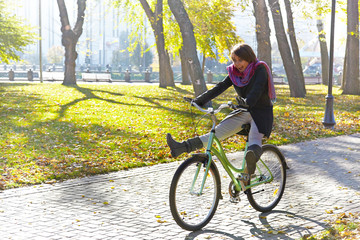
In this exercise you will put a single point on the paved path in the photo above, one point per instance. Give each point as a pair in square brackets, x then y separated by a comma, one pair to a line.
[133, 204]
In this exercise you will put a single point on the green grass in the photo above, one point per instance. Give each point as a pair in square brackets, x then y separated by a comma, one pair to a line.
[51, 132]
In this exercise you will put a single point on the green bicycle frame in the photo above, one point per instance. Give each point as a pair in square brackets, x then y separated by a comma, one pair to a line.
[218, 151]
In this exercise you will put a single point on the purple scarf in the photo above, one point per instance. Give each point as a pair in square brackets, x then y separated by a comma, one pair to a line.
[242, 79]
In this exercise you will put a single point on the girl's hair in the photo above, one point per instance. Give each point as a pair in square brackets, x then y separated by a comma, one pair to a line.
[244, 52]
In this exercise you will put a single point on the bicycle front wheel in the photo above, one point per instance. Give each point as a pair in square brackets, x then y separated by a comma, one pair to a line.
[193, 209]
[266, 196]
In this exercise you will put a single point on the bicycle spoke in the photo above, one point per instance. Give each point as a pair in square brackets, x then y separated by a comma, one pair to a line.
[190, 209]
[266, 196]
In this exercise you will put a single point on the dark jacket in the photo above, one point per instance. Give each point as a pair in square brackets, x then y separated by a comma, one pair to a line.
[256, 95]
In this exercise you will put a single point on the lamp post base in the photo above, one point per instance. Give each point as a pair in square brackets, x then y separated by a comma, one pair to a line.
[329, 119]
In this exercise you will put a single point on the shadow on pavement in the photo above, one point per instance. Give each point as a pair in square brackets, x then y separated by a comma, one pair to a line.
[302, 229]
[339, 159]
[219, 234]
[267, 229]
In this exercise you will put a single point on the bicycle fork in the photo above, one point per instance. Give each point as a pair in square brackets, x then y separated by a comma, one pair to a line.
[207, 162]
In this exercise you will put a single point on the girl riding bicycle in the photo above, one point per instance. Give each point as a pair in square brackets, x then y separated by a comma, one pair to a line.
[254, 85]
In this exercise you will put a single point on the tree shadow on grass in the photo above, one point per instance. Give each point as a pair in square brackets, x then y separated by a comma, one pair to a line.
[60, 148]
[156, 104]
[17, 84]
[89, 94]
[183, 91]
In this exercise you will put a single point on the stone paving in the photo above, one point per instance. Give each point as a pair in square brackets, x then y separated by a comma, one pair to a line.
[324, 179]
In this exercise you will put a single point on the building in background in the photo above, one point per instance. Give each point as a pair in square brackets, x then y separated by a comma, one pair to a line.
[103, 34]
[101, 31]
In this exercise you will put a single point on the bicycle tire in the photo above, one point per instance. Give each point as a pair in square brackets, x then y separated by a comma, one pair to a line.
[265, 197]
[191, 211]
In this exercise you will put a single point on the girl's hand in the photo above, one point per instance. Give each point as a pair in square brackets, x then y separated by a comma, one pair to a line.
[242, 102]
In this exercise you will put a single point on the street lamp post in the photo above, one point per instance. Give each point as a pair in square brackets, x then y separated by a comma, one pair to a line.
[40, 44]
[329, 119]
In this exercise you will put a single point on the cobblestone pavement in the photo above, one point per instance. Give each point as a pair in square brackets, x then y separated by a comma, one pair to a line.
[324, 177]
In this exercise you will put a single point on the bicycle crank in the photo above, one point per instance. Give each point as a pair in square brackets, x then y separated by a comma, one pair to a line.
[234, 194]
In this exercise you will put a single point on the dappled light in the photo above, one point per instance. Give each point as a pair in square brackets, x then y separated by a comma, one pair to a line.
[52, 132]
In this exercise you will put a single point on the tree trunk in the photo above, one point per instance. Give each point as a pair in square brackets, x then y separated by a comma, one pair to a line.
[184, 70]
[296, 87]
[294, 45]
[203, 63]
[344, 66]
[351, 72]
[324, 53]
[166, 76]
[189, 46]
[70, 38]
[262, 31]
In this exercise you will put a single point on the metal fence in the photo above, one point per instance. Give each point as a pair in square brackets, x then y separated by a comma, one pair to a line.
[55, 73]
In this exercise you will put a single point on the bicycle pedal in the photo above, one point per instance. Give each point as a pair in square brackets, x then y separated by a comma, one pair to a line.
[235, 199]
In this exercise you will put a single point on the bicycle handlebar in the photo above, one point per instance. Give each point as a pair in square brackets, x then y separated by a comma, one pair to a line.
[211, 110]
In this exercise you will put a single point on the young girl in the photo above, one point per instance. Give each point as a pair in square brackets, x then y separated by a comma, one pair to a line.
[253, 83]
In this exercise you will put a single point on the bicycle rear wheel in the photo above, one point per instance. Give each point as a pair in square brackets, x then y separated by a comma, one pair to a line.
[191, 210]
[266, 196]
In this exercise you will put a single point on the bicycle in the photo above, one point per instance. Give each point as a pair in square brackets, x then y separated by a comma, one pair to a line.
[195, 189]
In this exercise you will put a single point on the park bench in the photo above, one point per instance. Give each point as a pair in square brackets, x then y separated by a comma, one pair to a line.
[279, 80]
[313, 80]
[53, 76]
[89, 77]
